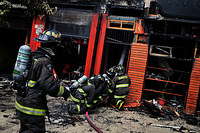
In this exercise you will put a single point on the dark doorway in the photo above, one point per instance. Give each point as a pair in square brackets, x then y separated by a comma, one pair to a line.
[10, 42]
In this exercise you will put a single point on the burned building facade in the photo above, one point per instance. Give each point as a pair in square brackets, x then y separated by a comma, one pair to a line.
[156, 40]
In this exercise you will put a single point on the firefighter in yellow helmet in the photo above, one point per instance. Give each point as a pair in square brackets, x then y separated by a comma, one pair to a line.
[42, 80]
[121, 83]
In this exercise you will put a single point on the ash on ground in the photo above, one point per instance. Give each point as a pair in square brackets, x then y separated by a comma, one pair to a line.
[106, 118]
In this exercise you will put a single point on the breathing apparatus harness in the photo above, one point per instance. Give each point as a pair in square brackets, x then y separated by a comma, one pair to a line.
[23, 69]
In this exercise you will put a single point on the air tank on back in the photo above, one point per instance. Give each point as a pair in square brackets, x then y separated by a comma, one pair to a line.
[22, 62]
[79, 81]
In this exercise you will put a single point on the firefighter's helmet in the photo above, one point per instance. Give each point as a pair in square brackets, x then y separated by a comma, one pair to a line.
[119, 70]
[111, 71]
[98, 79]
[49, 36]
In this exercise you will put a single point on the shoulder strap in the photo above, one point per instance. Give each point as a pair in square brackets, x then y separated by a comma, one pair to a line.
[33, 58]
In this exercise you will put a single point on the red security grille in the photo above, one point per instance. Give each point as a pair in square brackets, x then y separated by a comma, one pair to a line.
[193, 90]
[136, 71]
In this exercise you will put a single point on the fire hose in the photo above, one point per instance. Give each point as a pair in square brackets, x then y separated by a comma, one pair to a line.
[90, 122]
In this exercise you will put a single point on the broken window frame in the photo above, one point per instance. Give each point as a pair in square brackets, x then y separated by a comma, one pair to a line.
[161, 48]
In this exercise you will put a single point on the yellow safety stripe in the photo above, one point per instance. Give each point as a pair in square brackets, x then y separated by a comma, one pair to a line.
[32, 83]
[82, 91]
[76, 100]
[112, 70]
[61, 91]
[35, 60]
[123, 77]
[122, 85]
[47, 33]
[94, 101]
[122, 102]
[111, 91]
[54, 34]
[118, 97]
[79, 108]
[121, 105]
[118, 102]
[30, 111]
[88, 105]
[100, 97]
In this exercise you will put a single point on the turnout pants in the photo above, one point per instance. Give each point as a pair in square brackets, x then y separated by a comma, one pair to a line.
[31, 123]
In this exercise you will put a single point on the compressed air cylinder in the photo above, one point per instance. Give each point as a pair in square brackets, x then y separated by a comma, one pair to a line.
[22, 62]
[79, 81]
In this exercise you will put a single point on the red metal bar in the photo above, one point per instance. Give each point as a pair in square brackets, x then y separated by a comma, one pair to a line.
[38, 26]
[91, 44]
[166, 81]
[163, 92]
[100, 46]
[158, 68]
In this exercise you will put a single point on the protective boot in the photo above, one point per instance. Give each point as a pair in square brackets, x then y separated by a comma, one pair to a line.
[73, 108]
[119, 104]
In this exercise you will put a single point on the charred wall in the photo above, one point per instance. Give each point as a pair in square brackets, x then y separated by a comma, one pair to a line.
[180, 8]
[72, 22]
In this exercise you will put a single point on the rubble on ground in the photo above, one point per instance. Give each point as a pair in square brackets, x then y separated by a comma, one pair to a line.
[4, 83]
[146, 118]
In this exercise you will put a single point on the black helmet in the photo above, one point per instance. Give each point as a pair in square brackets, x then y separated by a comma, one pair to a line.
[119, 70]
[48, 36]
[111, 71]
[98, 79]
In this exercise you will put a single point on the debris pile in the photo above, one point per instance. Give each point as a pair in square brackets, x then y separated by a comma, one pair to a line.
[169, 111]
[59, 114]
[168, 115]
[4, 83]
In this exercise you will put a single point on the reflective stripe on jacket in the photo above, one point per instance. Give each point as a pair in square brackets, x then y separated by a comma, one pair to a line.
[30, 111]
[76, 100]
[121, 84]
[120, 97]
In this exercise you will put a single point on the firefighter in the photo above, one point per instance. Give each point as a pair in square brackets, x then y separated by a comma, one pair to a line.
[82, 97]
[121, 83]
[108, 90]
[86, 96]
[42, 80]
[111, 72]
[100, 85]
